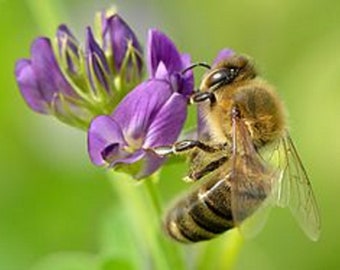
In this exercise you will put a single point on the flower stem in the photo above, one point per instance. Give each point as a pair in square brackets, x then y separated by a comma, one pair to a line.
[173, 251]
[153, 194]
[222, 252]
[230, 250]
[144, 208]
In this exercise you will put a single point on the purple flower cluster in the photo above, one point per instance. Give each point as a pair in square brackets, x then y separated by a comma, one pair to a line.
[151, 115]
[75, 84]
[99, 87]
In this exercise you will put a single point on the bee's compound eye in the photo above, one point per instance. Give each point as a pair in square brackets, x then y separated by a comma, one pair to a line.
[218, 78]
[222, 77]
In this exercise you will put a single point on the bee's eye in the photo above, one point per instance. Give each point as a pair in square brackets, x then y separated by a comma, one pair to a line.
[222, 77]
[217, 78]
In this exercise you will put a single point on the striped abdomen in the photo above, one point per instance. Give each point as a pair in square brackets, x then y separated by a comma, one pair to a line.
[202, 214]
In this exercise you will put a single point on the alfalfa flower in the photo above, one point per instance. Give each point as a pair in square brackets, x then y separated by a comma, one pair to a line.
[120, 46]
[151, 115]
[74, 83]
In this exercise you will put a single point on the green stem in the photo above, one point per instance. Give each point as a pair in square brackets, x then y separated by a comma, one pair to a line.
[153, 194]
[231, 250]
[144, 208]
[222, 252]
[172, 250]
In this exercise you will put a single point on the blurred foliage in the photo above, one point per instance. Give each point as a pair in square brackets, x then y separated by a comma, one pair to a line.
[57, 211]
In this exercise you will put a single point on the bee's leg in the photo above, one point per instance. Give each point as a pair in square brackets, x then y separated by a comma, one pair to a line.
[184, 146]
[197, 175]
[198, 97]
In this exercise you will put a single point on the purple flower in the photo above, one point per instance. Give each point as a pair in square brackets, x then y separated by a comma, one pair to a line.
[74, 84]
[151, 115]
[40, 79]
[68, 50]
[165, 62]
[97, 66]
[120, 42]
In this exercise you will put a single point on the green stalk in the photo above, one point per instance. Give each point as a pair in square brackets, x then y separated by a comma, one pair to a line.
[231, 250]
[153, 194]
[141, 201]
[221, 253]
[173, 251]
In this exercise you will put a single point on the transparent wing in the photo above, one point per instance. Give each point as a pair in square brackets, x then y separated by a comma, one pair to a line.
[252, 182]
[293, 188]
[296, 191]
[251, 226]
[275, 157]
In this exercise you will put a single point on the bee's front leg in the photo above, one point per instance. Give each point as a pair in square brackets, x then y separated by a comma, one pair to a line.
[198, 97]
[185, 146]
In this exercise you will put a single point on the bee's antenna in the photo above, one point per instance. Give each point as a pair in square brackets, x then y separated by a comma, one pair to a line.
[200, 64]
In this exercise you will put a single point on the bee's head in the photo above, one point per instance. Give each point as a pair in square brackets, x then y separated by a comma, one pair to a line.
[235, 68]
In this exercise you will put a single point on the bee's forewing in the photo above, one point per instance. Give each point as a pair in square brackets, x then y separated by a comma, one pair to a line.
[251, 226]
[275, 157]
[292, 187]
[298, 191]
[251, 183]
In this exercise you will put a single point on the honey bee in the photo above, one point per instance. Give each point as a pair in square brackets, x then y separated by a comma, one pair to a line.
[244, 158]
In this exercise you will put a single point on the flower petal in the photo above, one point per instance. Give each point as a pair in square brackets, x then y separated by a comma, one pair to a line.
[68, 48]
[168, 122]
[29, 87]
[68, 112]
[223, 54]
[96, 64]
[63, 33]
[162, 49]
[49, 77]
[40, 78]
[140, 164]
[186, 60]
[152, 162]
[161, 72]
[129, 158]
[187, 85]
[103, 133]
[118, 34]
[139, 108]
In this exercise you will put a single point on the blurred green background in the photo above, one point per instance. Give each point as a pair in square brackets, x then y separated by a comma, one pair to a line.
[53, 202]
